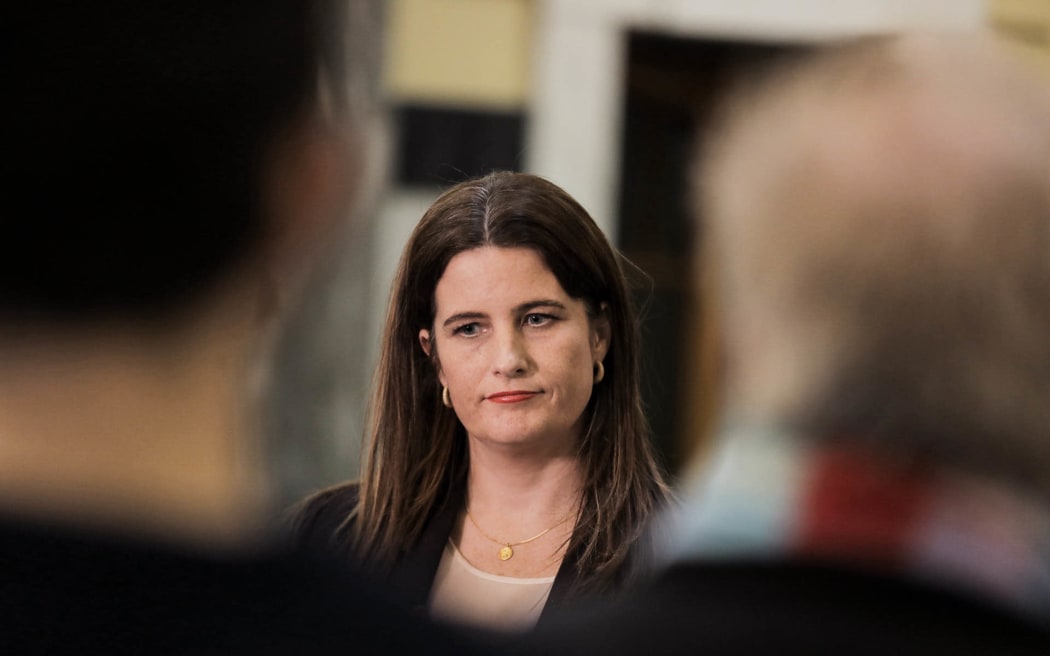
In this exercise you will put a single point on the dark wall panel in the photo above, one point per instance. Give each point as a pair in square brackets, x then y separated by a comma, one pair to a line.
[440, 145]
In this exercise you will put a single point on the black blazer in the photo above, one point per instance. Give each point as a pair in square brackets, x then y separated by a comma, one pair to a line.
[320, 525]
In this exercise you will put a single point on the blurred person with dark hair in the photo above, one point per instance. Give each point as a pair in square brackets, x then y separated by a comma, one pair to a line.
[509, 465]
[876, 219]
[168, 168]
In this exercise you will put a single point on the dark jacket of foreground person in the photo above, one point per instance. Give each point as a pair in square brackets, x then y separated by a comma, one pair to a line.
[77, 591]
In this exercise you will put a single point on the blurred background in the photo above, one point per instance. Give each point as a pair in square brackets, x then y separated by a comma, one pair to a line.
[601, 96]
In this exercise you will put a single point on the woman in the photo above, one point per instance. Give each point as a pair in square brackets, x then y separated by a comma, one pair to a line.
[509, 467]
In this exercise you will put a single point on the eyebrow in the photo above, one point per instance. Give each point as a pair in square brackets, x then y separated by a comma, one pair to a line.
[520, 309]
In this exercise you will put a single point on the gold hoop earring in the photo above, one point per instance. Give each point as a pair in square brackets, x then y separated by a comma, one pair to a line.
[445, 398]
[599, 374]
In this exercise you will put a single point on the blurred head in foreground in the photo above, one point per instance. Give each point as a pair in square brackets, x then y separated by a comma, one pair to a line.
[167, 171]
[879, 223]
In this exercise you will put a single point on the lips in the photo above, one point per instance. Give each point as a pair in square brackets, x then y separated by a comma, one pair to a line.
[513, 396]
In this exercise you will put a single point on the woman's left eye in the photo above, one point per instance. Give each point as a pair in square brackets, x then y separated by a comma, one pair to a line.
[537, 319]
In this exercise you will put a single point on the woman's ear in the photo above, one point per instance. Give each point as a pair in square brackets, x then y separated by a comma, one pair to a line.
[601, 333]
[424, 340]
[428, 347]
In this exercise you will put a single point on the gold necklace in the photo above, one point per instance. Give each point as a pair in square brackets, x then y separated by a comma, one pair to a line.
[506, 551]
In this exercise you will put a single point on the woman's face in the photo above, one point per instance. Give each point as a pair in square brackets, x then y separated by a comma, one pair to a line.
[516, 352]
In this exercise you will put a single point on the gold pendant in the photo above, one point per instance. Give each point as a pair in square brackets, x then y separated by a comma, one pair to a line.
[505, 552]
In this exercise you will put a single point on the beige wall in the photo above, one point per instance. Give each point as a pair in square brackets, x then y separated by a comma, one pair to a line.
[459, 52]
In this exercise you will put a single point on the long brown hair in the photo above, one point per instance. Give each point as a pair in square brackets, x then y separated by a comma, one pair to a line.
[417, 455]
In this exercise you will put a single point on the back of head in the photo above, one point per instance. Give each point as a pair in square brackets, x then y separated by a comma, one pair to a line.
[879, 214]
[135, 138]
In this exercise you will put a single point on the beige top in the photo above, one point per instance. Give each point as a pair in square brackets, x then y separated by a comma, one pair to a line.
[464, 593]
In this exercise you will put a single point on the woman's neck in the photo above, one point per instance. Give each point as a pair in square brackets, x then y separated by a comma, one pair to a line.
[521, 487]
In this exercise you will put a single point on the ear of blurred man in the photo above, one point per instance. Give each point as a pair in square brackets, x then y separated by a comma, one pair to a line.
[309, 186]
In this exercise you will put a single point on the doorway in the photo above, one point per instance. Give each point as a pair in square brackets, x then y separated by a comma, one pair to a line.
[673, 85]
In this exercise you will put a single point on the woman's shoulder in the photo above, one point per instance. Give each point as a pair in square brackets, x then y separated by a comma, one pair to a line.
[321, 520]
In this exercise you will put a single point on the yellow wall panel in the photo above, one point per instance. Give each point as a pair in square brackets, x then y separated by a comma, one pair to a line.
[1038, 10]
[459, 52]
[1025, 25]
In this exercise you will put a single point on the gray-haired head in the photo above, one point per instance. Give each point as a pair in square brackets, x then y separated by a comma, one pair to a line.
[878, 216]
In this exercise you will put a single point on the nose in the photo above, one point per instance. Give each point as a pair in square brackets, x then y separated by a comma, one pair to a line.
[511, 357]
